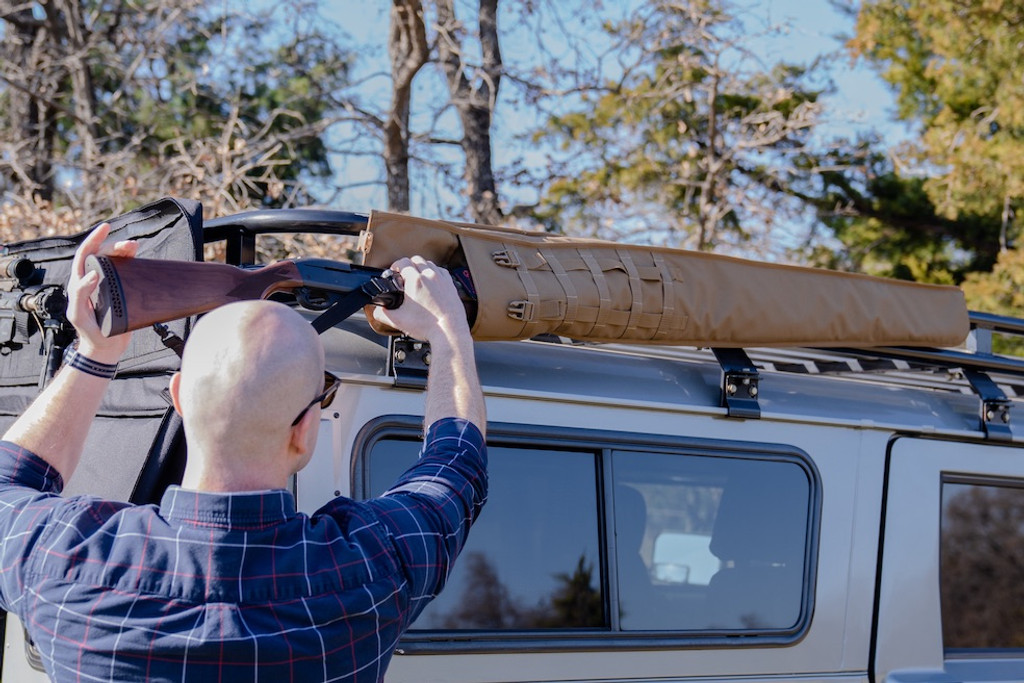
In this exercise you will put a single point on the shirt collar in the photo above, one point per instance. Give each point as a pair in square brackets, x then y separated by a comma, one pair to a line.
[243, 510]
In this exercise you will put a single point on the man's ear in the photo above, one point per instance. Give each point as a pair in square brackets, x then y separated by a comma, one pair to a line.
[174, 389]
[302, 439]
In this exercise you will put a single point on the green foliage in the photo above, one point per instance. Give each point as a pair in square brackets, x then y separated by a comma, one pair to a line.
[278, 87]
[1000, 291]
[956, 68]
[889, 226]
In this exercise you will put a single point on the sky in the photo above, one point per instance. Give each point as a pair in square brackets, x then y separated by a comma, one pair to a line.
[862, 99]
[803, 30]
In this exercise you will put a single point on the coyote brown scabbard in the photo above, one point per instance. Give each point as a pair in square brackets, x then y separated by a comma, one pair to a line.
[534, 283]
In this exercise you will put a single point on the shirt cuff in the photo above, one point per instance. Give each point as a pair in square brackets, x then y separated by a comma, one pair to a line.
[448, 427]
[23, 467]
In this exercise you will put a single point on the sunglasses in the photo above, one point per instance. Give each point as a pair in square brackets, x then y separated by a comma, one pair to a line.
[331, 384]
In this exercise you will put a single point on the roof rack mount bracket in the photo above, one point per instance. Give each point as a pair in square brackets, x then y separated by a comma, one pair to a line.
[740, 380]
[408, 362]
[995, 406]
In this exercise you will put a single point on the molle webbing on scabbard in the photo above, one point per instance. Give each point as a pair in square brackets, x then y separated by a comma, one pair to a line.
[534, 283]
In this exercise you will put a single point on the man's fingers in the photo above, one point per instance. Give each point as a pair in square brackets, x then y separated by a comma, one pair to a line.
[88, 283]
[90, 245]
[125, 249]
[93, 244]
[380, 314]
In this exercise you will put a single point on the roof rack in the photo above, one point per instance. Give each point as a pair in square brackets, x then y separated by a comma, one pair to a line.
[240, 230]
[977, 362]
[740, 376]
[977, 355]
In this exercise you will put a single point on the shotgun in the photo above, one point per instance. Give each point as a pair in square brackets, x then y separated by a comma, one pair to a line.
[134, 293]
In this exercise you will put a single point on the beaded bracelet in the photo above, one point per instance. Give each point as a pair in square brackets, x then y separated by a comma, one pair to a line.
[89, 366]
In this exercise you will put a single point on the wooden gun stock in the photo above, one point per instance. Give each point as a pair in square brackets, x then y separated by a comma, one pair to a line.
[134, 293]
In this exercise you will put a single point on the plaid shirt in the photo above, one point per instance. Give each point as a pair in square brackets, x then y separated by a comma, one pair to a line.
[237, 586]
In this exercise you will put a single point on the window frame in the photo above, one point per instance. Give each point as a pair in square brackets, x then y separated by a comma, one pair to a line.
[603, 443]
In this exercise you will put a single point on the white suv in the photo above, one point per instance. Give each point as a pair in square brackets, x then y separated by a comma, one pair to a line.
[844, 516]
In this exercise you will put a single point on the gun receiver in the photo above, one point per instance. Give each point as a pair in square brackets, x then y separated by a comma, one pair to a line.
[134, 293]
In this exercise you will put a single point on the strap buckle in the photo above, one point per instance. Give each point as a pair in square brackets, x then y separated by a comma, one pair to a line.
[520, 310]
[507, 258]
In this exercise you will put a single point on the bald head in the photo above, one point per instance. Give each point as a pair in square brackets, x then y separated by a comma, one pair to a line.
[249, 368]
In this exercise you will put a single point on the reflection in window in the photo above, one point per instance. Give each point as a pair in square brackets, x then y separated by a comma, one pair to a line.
[701, 542]
[708, 543]
[533, 559]
[982, 566]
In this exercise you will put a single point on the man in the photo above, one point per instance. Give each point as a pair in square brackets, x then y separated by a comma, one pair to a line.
[224, 579]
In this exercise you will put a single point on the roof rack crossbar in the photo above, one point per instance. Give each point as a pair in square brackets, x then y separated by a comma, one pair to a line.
[1000, 324]
[975, 363]
[322, 221]
[994, 410]
[949, 358]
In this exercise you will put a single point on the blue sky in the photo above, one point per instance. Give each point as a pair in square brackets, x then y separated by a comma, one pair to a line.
[862, 99]
[800, 30]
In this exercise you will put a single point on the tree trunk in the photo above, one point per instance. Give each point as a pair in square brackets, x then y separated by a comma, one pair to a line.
[474, 101]
[407, 46]
[69, 26]
[31, 94]
[707, 216]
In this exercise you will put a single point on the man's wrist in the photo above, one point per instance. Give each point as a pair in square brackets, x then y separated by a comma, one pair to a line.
[97, 352]
[89, 364]
[450, 332]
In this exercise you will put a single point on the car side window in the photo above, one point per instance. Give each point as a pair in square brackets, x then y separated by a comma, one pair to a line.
[710, 543]
[626, 540]
[981, 546]
[533, 558]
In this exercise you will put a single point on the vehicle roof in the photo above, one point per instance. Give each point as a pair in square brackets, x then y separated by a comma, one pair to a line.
[688, 379]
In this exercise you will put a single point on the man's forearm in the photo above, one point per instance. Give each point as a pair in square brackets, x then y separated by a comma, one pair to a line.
[433, 312]
[55, 425]
[453, 387]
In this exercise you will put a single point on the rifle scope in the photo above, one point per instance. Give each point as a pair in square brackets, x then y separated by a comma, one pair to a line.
[16, 268]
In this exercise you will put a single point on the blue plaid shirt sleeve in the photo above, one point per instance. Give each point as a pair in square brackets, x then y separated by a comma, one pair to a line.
[429, 510]
[215, 584]
[29, 497]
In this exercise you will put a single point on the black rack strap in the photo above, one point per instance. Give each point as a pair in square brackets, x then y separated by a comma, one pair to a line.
[346, 306]
[383, 290]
